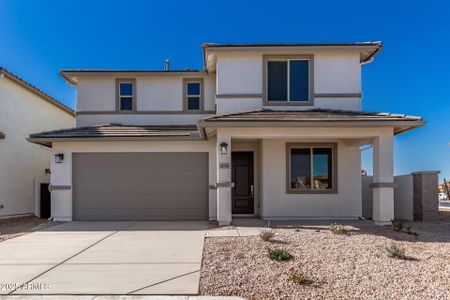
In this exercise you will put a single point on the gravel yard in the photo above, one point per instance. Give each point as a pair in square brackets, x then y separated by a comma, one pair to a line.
[353, 266]
[14, 227]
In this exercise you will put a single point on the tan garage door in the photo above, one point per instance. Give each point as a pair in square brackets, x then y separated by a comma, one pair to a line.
[140, 186]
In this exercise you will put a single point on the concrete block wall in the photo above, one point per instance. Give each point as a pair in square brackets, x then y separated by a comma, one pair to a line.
[426, 206]
[415, 196]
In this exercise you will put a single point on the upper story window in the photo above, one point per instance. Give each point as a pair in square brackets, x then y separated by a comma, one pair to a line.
[126, 98]
[193, 94]
[288, 80]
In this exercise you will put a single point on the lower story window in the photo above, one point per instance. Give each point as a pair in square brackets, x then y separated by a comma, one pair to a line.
[311, 168]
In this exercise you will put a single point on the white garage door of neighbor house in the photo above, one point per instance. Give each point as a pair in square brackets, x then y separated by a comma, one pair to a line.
[140, 186]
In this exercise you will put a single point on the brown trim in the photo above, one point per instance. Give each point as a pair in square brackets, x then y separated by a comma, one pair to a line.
[383, 185]
[68, 75]
[185, 96]
[35, 90]
[149, 112]
[399, 126]
[47, 142]
[2, 135]
[224, 185]
[373, 47]
[338, 95]
[310, 101]
[230, 96]
[59, 187]
[134, 96]
[334, 148]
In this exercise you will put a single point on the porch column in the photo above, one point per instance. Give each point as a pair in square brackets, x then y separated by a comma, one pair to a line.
[223, 183]
[383, 179]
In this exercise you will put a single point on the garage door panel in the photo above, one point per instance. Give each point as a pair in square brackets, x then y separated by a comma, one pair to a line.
[140, 186]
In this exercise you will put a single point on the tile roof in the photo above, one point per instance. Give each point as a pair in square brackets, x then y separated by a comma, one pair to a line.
[311, 115]
[35, 90]
[119, 131]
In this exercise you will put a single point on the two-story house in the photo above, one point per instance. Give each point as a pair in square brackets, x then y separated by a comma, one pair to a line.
[270, 130]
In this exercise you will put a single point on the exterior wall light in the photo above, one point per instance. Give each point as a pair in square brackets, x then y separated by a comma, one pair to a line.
[59, 158]
[223, 148]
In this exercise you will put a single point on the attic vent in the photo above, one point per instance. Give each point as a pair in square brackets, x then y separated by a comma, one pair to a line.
[167, 65]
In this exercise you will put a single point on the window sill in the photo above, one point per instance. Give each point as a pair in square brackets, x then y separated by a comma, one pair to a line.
[319, 192]
[288, 103]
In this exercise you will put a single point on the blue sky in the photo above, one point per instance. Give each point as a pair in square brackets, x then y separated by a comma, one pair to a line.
[411, 75]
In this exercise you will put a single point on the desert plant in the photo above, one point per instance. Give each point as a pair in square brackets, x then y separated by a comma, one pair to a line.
[279, 254]
[338, 229]
[266, 235]
[397, 225]
[408, 231]
[396, 252]
[297, 276]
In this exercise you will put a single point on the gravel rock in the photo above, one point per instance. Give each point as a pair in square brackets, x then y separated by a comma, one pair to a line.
[17, 226]
[354, 266]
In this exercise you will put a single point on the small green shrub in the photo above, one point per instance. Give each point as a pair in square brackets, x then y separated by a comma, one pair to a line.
[397, 225]
[266, 235]
[396, 252]
[279, 254]
[338, 229]
[297, 276]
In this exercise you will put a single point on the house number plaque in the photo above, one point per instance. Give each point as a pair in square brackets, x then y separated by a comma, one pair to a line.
[224, 165]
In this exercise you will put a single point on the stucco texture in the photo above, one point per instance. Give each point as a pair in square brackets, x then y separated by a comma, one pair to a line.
[22, 113]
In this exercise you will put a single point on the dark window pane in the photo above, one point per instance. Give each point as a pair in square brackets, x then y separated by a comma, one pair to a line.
[126, 89]
[193, 88]
[322, 162]
[300, 169]
[193, 103]
[277, 81]
[126, 103]
[298, 80]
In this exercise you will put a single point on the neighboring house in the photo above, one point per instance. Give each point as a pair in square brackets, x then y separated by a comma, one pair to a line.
[24, 109]
[267, 130]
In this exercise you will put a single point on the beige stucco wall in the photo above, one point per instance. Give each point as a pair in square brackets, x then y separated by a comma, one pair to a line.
[241, 73]
[269, 145]
[278, 204]
[154, 93]
[22, 113]
[62, 172]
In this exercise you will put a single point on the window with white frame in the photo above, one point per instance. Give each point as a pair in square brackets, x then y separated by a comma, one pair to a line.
[125, 94]
[311, 168]
[288, 80]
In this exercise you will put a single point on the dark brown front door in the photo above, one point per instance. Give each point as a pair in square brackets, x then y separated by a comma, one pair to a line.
[242, 176]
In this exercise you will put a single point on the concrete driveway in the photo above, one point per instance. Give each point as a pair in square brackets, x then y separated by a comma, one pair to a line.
[105, 258]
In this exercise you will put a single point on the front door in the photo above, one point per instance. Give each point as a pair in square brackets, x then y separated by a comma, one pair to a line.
[242, 176]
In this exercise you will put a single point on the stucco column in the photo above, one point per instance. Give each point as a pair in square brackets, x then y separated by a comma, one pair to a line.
[383, 179]
[223, 183]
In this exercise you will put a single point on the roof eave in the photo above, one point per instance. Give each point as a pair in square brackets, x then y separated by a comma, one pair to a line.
[46, 141]
[36, 91]
[69, 75]
[406, 125]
